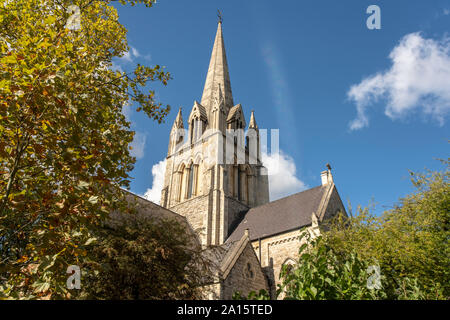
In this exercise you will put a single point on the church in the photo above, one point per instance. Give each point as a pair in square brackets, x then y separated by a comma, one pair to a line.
[216, 181]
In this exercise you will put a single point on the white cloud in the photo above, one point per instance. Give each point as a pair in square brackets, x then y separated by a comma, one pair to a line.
[418, 80]
[127, 111]
[135, 52]
[138, 145]
[116, 67]
[279, 85]
[132, 54]
[446, 12]
[154, 193]
[282, 175]
[127, 56]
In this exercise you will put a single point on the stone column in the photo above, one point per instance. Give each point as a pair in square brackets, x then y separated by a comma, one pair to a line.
[242, 187]
[235, 181]
[250, 191]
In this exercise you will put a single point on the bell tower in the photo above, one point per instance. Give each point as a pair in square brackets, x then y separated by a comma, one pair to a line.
[214, 172]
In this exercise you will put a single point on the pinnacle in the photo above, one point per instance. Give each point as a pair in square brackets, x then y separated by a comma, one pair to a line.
[178, 123]
[252, 124]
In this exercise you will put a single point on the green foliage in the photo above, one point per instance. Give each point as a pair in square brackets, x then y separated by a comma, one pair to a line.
[143, 258]
[64, 142]
[410, 241]
[322, 274]
[409, 244]
[260, 295]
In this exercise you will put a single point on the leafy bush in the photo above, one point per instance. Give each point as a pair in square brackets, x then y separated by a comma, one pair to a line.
[402, 254]
[143, 258]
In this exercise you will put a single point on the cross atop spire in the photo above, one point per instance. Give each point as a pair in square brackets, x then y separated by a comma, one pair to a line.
[219, 15]
[217, 74]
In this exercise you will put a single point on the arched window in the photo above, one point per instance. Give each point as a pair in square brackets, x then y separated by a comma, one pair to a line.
[197, 127]
[193, 131]
[288, 264]
[180, 182]
[190, 181]
[196, 184]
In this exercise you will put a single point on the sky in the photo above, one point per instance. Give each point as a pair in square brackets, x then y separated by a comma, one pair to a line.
[374, 103]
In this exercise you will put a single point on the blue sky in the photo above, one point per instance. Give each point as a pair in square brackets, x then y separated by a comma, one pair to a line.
[306, 68]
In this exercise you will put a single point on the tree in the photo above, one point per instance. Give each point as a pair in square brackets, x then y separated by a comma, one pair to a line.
[410, 241]
[144, 258]
[321, 274]
[64, 150]
[402, 254]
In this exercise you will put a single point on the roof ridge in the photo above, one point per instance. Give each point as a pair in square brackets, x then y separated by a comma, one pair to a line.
[289, 196]
[146, 200]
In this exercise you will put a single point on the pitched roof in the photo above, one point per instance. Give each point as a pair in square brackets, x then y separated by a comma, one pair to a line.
[279, 216]
[201, 111]
[223, 257]
[217, 254]
[233, 111]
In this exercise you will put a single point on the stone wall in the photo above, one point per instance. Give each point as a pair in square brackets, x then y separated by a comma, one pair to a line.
[334, 205]
[276, 251]
[261, 186]
[167, 179]
[146, 208]
[196, 212]
[236, 211]
[245, 276]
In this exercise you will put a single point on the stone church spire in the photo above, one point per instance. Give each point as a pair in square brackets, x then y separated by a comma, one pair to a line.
[201, 182]
[218, 77]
